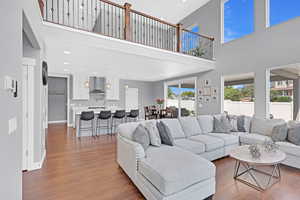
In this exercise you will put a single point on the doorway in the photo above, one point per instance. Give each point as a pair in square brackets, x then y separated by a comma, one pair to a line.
[57, 100]
[180, 96]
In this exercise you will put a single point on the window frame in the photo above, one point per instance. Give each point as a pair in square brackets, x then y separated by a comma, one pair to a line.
[223, 2]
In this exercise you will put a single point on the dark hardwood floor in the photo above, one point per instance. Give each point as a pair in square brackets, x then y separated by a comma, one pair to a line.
[86, 169]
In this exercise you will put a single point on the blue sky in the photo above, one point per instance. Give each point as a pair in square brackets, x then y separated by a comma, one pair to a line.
[281, 11]
[188, 39]
[176, 90]
[239, 16]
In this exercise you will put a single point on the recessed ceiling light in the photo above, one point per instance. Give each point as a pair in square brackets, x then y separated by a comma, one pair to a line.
[183, 1]
[67, 52]
[66, 70]
[66, 63]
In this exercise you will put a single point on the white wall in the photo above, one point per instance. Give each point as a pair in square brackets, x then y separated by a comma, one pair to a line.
[265, 48]
[10, 56]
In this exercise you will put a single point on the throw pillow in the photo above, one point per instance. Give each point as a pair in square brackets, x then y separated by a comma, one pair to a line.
[294, 132]
[279, 132]
[222, 125]
[190, 126]
[243, 123]
[165, 134]
[153, 133]
[141, 136]
[233, 122]
[206, 123]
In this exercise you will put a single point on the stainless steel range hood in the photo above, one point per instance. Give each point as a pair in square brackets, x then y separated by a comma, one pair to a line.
[97, 85]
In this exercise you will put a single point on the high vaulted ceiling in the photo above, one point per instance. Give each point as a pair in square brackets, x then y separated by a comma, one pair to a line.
[172, 11]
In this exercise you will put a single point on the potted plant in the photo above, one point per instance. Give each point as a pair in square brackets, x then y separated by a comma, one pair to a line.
[160, 102]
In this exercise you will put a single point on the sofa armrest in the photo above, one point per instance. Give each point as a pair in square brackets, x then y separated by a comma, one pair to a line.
[128, 155]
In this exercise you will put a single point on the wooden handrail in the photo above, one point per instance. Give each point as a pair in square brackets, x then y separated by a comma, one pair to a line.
[41, 4]
[210, 38]
[113, 4]
[153, 18]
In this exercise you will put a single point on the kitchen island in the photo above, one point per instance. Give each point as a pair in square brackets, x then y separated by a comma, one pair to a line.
[76, 117]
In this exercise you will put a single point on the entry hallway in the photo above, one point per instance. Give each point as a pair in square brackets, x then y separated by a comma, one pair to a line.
[86, 169]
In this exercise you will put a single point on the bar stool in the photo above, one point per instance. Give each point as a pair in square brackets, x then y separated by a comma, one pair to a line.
[105, 117]
[117, 119]
[132, 116]
[87, 116]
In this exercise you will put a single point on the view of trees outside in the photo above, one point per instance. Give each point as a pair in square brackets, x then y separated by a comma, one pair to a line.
[245, 93]
[186, 95]
[187, 102]
[239, 93]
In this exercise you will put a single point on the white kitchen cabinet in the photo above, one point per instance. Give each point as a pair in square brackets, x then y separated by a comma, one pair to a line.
[81, 89]
[112, 88]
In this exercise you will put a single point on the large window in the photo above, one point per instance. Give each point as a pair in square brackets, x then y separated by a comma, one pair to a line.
[239, 94]
[282, 90]
[281, 11]
[238, 19]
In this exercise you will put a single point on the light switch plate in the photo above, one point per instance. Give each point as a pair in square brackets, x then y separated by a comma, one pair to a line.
[12, 125]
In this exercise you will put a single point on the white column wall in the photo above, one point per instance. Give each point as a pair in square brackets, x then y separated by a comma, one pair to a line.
[262, 94]
[261, 15]
[296, 98]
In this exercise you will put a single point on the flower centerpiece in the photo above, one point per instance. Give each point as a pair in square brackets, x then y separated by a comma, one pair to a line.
[270, 146]
[160, 102]
[254, 151]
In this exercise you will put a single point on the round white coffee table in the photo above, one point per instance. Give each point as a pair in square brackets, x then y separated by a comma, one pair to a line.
[245, 160]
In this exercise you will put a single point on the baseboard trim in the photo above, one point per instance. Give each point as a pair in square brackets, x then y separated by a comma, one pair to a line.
[57, 122]
[38, 165]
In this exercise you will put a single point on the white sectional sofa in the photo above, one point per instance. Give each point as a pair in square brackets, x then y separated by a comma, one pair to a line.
[185, 171]
[179, 172]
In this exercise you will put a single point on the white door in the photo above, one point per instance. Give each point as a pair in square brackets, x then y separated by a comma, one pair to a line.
[131, 98]
[28, 106]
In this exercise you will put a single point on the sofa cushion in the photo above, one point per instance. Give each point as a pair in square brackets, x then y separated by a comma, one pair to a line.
[181, 170]
[165, 134]
[264, 126]
[153, 133]
[190, 126]
[254, 138]
[126, 130]
[190, 145]
[222, 125]
[238, 133]
[175, 128]
[206, 123]
[279, 132]
[289, 148]
[141, 136]
[227, 138]
[244, 123]
[211, 143]
[294, 132]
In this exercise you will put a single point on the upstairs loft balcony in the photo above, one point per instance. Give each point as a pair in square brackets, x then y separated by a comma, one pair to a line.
[122, 22]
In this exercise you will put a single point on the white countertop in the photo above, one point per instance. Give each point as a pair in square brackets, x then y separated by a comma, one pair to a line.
[78, 109]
